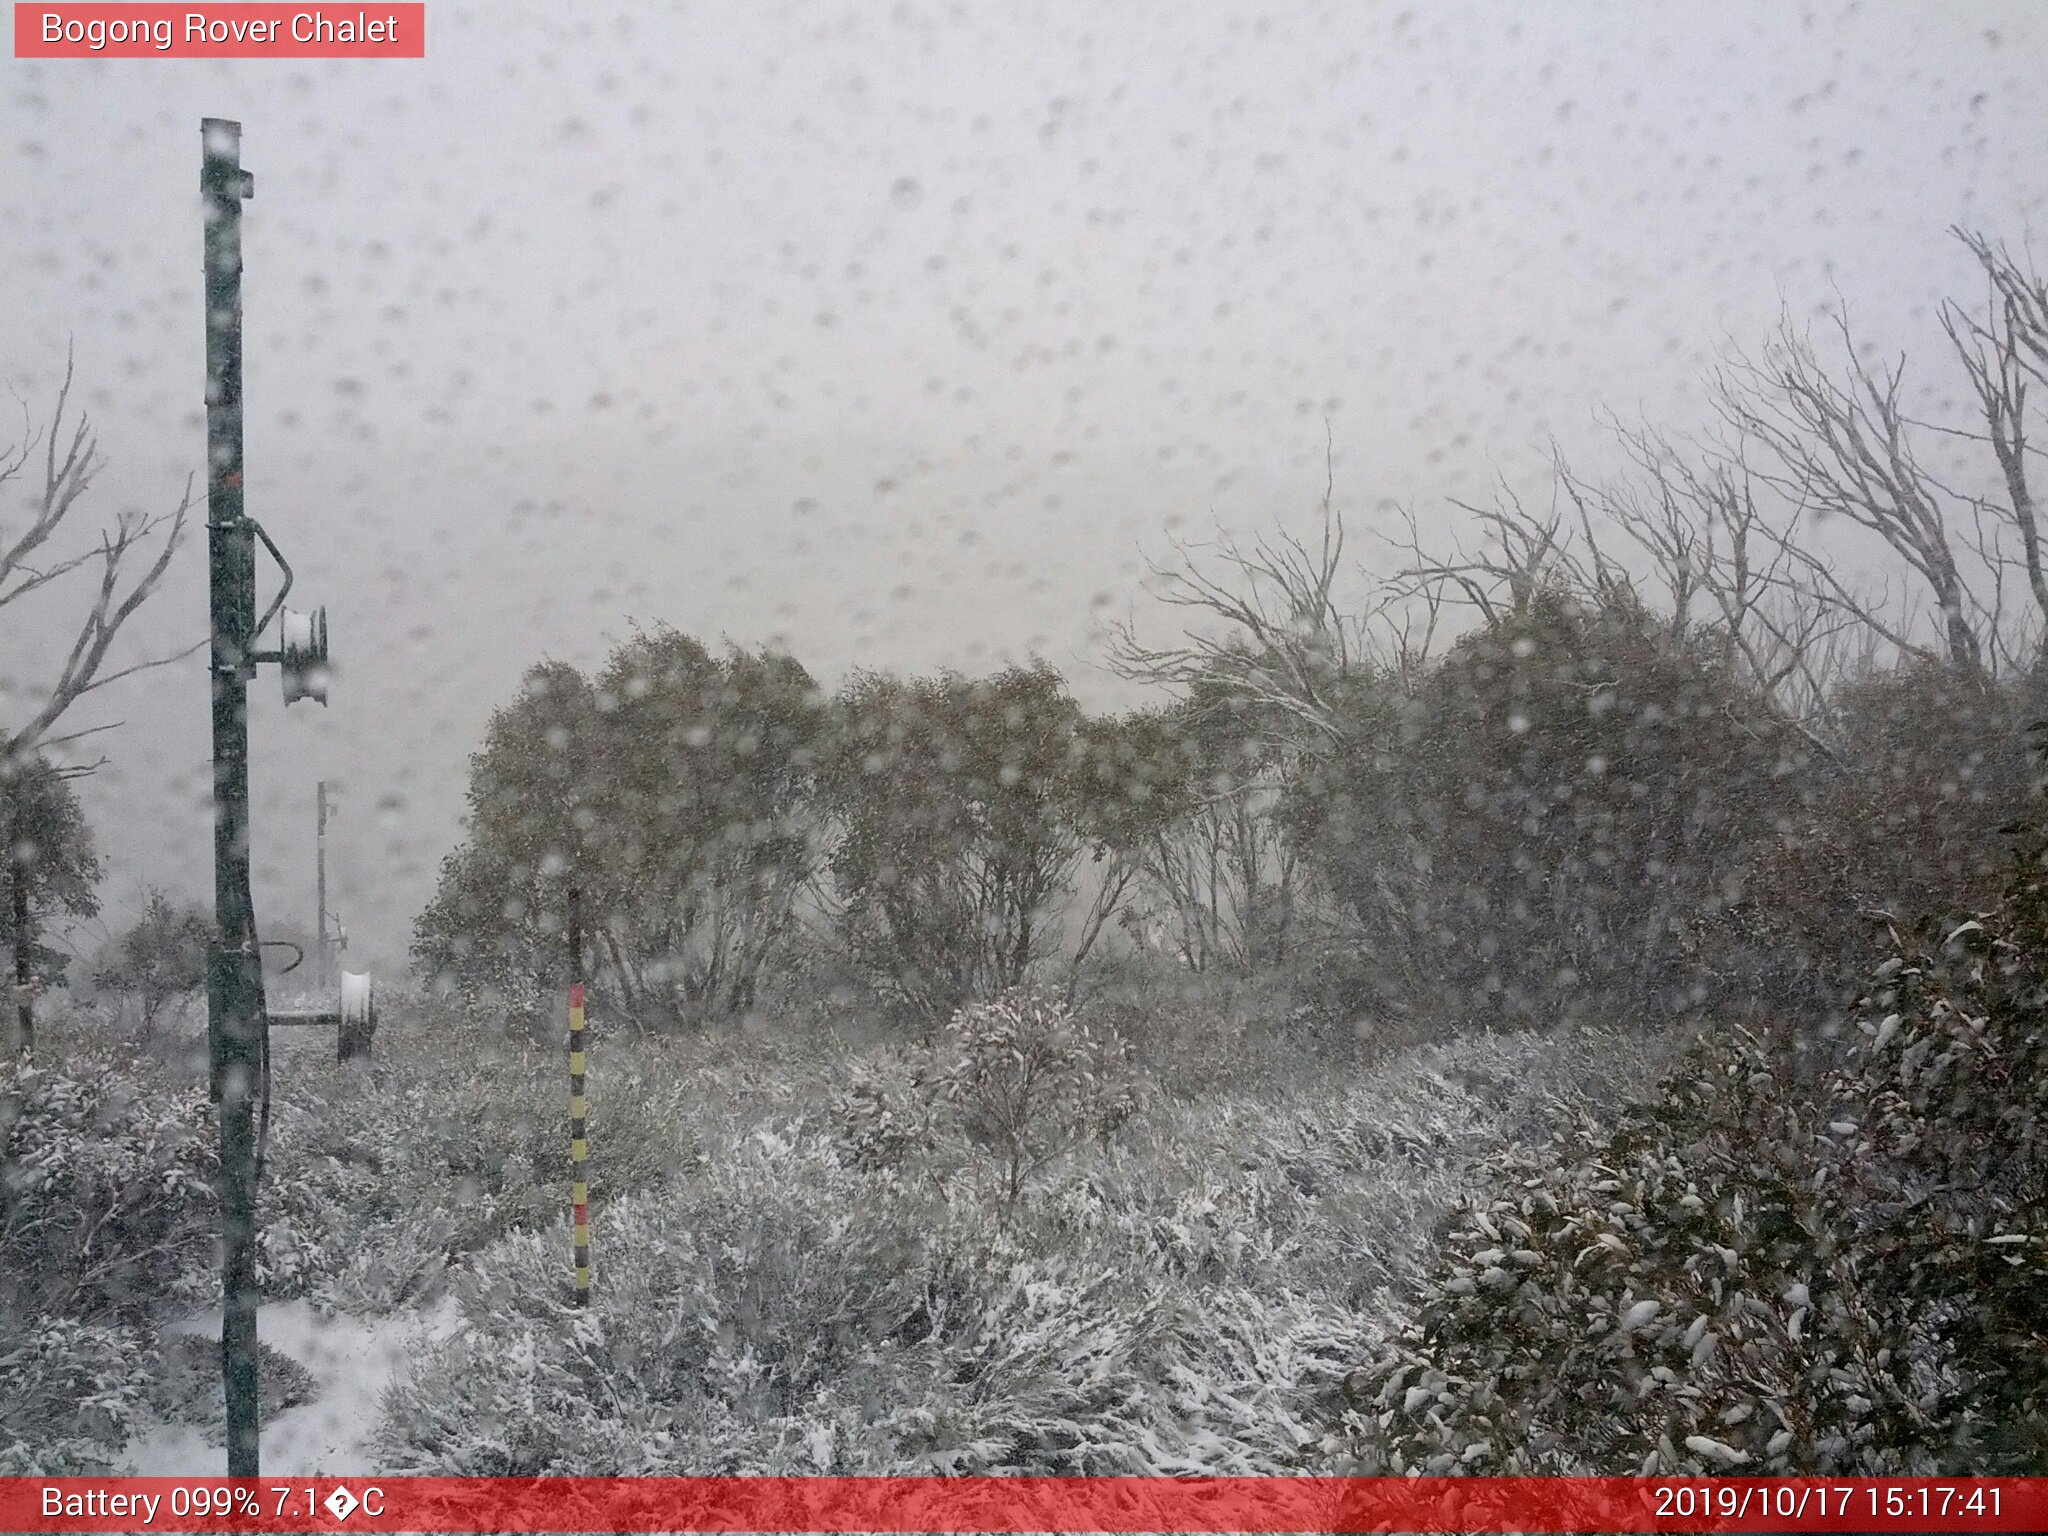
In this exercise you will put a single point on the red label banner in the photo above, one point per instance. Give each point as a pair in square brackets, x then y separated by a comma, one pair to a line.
[1018, 1504]
[216, 31]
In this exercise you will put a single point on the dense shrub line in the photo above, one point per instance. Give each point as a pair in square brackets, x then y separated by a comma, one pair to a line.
[1185, 1299]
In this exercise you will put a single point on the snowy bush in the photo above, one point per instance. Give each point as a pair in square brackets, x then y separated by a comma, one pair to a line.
[1028, 1083]
[159, 962]
[813, 1331]
[72, 1393]
[382, 1174]
[106, 1188]
[1646, 1308]
[1940, 1170]
[1185, 1299]
[1190, 1044]
[1013, 1086]
[886, 1123]
[1752, 1275]
[107, 1212]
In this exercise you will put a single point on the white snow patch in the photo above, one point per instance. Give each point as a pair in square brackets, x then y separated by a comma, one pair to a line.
[352, 1361]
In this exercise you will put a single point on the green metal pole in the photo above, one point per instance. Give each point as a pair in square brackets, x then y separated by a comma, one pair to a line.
[235, 980]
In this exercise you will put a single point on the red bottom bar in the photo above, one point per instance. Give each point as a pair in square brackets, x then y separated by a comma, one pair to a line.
[1016, 1504]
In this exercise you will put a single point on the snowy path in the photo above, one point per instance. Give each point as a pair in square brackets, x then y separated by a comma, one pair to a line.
[352, 1360]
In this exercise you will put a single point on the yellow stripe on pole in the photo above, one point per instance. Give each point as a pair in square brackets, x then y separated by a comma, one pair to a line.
[579, 1147]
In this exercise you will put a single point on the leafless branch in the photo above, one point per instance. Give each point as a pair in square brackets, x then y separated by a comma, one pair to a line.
[128, 572]
[1841, 446]
[1284, 645]
[2001, 351]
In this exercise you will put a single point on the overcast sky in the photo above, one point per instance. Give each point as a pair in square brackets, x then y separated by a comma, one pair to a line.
[900, 334]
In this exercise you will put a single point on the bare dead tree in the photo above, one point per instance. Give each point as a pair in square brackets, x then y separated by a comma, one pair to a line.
[1265, 629]
[120, 570]
[1517, 551]
[1843, 446]
[1718, 537]
[1228, 881]
[2020, 294]
[2002, 351]
[1774, 606]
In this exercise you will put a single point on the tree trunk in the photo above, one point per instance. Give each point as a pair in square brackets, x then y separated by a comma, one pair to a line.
[24, 972]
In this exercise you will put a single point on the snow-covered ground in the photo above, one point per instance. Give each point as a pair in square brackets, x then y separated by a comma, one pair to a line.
[352, 1361]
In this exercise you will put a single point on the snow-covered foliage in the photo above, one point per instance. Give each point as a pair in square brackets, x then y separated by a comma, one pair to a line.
[1764, 1274]
[106, 1213]
[107, 1184]
[1185, 1299]
[383, 1173]
[76, 1394]
[1018, 1083]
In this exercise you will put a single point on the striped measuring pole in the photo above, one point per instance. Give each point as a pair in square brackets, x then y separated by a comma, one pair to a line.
[579, 1146]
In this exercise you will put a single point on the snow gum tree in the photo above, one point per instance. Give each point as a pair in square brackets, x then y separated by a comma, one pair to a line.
[672, 793]
[161, 959]
[1565, 817]
[51, 869]
[957, 834]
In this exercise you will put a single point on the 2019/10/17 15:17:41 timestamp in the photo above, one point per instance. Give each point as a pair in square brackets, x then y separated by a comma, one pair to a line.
[1735, 1500]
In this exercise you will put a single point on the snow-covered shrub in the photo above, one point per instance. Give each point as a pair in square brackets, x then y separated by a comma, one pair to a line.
[159, 963]
[382, 1174]
[1187, 1044]
[1027, 1083]
[1334, 1184]
[721, 1311]
[1754, 1275]
[72, 1393]
[106, 1188]
[1015, 1085]
[187, 1389]
[1942, 1163]
[107, 1214]
[782, 1320]
[1186, 1299]
[886, 1123]
[1647, 1307]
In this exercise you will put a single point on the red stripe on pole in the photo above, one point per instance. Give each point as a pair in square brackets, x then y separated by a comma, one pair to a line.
[582, 1215]
[1018, 1504]
[575, 994]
